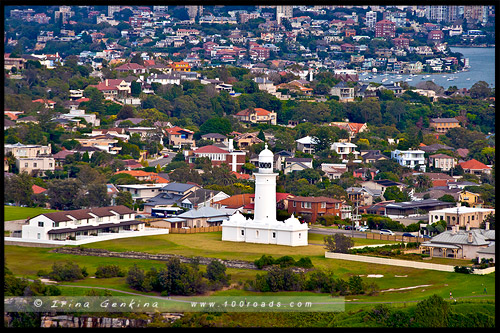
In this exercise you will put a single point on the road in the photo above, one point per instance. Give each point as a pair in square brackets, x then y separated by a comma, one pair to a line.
[357, 234]
[162, 161]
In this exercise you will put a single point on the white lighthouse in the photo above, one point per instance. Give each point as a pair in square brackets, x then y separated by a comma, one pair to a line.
[265, 228]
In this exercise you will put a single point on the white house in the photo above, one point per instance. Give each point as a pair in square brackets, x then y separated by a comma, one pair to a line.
[71, 224]
[142, 191]
[409, 158]
[307, 144]
[343, 149]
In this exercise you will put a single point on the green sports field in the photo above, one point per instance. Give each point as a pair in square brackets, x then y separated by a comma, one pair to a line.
[12, 213]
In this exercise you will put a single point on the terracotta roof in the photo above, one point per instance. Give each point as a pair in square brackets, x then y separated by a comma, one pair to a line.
[315, 199]
[37, 189]
[240, 175]
[177, 130]
[236, 201]
[210, 149]
[473, 165]
[258, 111]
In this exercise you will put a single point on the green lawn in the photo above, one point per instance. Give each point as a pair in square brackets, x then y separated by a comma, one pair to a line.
[18, 213]
[26, 261]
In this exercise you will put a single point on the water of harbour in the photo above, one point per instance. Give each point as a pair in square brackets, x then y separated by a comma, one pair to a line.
[482, 68]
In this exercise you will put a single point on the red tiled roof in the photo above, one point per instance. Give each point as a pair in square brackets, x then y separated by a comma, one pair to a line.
[258, 111]
[236, 201]
[240, 175]
[37, 189]
[210, 149]
[473, 165]
[177, 130]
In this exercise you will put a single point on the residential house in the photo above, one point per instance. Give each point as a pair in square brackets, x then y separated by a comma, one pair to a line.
[442, 125]
[344, 149]
[297, 164]
[333, 171]
[177, 137]
[281, 202]
[307, 144]
[201, 198]
[385, 29]
[372, 156]
[442, 161]
[36, 166]
[363, 196]
[472, 199]
[475, 167]
[409, 158]
[202, 217]
[257, 116]
[235, 159]
[21, 150]
[132, 67]
[163, 79]
[365, 173]
[461, 216]
[170, 195]
[245, 140]
[435, 147]
[81, 223]
[279, 159]
[106, 143]
[352, 128]
[113, 88]
[144, 176]
[344, 92]
[382, 184]
[238, 202]
[142, 191]
[310, 208]
[414, 208]
[216, 138]
[461, 244]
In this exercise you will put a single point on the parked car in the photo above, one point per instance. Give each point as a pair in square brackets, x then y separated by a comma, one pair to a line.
[140, 216]
[386, 232]
[348, 227]
[426, 236]
[407, 234]
[166, 155]
[363, 229]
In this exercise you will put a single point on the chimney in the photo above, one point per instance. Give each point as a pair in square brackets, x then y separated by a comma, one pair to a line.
[467, 227]
[487, 226]
[453, 230]
[469, 237]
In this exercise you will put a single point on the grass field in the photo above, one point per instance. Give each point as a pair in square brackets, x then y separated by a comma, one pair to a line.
[26, 261]
[12, 213]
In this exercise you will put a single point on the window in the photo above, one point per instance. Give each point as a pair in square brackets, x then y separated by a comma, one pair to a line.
[40, 224]
[256, 233]
[121, 217]
[274, 234]
[323, 205]
[243, 232]
[34, 165]
[306, 205]
[295, 204]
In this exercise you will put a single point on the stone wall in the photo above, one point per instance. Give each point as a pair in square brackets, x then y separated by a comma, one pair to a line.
[148, 256]
[162, 257]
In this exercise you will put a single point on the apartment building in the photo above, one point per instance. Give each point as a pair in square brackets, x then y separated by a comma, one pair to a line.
[409, 158]
[310, 208]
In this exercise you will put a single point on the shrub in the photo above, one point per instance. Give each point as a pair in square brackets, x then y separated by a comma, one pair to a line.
[432, 312]
[67, 272]
[109, 271]
[285, 261]
[463, 269]
[304, 262]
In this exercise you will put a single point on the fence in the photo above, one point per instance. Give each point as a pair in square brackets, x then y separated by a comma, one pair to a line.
[191, 230]
[397, 238]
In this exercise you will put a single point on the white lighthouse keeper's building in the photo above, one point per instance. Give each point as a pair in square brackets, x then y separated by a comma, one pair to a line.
[264, 228]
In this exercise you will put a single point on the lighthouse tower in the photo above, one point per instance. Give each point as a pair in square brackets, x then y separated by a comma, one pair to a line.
[264, 228]
[265, 189]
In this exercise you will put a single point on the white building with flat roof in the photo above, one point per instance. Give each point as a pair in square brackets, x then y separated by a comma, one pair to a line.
[409, 158]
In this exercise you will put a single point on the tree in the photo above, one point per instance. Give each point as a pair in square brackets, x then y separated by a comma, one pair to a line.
[65, 194]
[394, 193]
[126, 111]
[432, 312]
[480, 89]
[124, 198]
[338, 243]
[216, 272]
[18, 189]
[216, 125]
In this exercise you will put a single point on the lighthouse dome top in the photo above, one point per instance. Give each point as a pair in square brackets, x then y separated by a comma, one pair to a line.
[266, 152]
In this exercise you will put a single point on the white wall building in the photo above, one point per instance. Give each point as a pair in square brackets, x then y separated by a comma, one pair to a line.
[409, 158]
[265, 228]
[82, 222]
